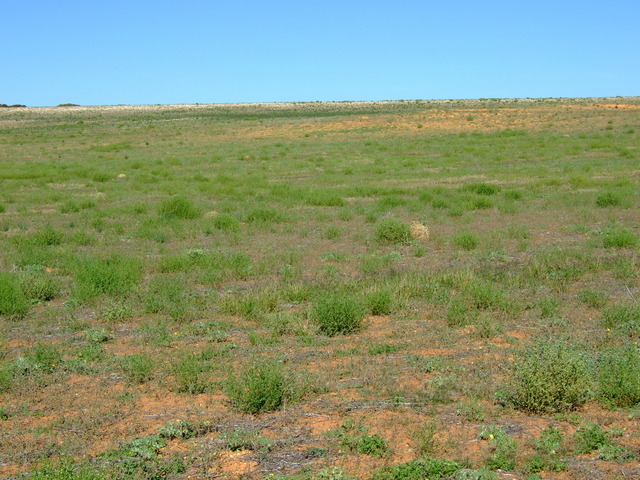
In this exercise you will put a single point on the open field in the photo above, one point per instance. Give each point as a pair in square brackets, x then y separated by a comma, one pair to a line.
[389, 290]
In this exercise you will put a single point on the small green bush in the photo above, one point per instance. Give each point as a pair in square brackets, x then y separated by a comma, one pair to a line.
[325, 199]
[608, 199]
[591, 437]
[622, 317]
[6, 378]
[392, 231]
[13, 302]
[503, 449]
[466, 240]
[247, 439]
[44, 358]
[548, 449]
[482, 188]
[47, 237]
[191, 374]
[379, 302]
[115, 275]
[263, 387]
[619, 376]
[185, 429]
[168, 295]
[620, 238]
[39, 286]
[101, 177]
[226, 223]
[593, 298]
[355, 437]
[66, 470]
[179, 207]
[420, 469]
[265, 215]
[138, 367]
[338, 314]
[548, 378]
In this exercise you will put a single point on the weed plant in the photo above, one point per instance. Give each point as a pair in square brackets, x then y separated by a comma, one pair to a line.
[114, 276]
[13, 301]
[178, 207]
[338, 314]
[619, 376]
[263, 387]
[423, 468]
[355, 437]
[549, 377]
[503, 449]
[392, 231]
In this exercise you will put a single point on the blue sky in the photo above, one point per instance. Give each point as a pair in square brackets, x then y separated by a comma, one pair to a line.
[143, 52]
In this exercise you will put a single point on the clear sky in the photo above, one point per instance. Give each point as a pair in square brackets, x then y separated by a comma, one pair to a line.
[106, 52]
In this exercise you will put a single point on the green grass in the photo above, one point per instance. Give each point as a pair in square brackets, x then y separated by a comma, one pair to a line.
[338, 314]
[178, 207]
[263, 387]
[114, 276]
[392, 231]
[13, 301]
[240, 279]
[549, 377]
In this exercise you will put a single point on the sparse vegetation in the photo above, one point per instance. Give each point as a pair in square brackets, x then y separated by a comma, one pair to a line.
[176, 281]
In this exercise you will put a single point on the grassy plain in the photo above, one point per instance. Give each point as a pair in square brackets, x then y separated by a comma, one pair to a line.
[389, 290]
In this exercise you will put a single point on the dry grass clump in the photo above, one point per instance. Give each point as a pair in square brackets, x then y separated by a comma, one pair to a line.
[419, 231]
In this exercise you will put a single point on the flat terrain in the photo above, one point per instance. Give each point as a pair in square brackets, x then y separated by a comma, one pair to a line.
[386, 290]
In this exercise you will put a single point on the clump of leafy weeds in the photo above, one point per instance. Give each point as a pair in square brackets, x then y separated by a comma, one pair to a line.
[503, 449]
[608, 199]
[338, 314]
[619, 377]
[422, 468]
[179, 207]
[355, 437]
[466, 240]
[548, 377]
[263, 387]
[13, 302]
[549, 448]
[115, 276]
[392, 231]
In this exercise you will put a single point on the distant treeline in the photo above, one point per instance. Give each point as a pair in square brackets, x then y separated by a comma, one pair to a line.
[4, 105]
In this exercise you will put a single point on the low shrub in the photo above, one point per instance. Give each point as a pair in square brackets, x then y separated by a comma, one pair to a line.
[591, 437]
[13, 302]
[47, 237]
[548, 378]
[466, 240]
[608, 199]
[422, 468]
[265, 215]
[392, 231]
[355, 437]
[179, 207]
[39, 286]
[138, 367]
[620, 238]
[263, 387]
[66, 470]
[379, 302]
[191, 374]
[226, 223]
[115, 275]
[338, 314]
[503, 449]
[619, 377]
[482, 188]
